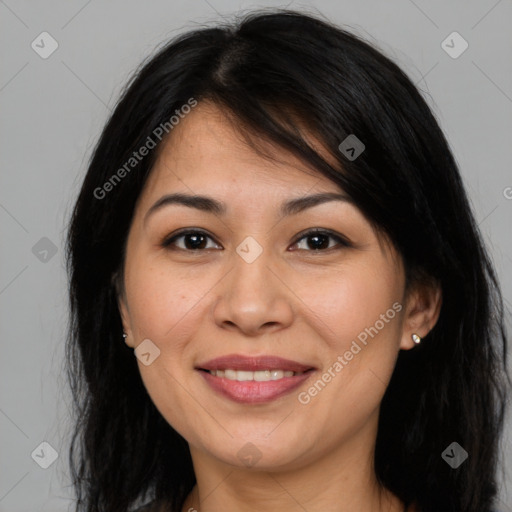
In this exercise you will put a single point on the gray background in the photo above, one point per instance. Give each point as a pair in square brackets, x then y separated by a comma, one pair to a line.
[53, 110]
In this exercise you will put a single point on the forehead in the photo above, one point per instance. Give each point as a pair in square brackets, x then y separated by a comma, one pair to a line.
[207, 151]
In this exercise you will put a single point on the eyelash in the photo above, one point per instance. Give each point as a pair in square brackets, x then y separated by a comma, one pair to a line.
[342, 242]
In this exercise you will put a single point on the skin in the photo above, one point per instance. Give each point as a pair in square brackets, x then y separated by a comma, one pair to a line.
[292, 301]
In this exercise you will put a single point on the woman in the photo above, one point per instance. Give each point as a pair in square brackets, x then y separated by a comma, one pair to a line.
[274, 225]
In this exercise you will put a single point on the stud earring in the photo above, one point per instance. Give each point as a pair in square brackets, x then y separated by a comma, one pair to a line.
[416, 338]
[125, 335]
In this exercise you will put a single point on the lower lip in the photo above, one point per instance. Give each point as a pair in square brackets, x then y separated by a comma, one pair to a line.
[252, 392]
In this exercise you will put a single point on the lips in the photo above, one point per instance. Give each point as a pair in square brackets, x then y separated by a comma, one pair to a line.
[245, 379]
[253, 364]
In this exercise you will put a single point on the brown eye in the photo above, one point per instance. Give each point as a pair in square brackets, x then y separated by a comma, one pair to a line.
[318, 240]
[193, 240]
[197, 240]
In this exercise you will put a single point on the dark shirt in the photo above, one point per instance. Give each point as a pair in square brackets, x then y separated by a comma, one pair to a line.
[151, 507]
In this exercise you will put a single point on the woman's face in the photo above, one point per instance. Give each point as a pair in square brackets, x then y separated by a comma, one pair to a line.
[251, 285]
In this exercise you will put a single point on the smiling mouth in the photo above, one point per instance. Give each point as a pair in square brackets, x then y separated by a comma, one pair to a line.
[252, 379]
[257, 376]
[254, 387]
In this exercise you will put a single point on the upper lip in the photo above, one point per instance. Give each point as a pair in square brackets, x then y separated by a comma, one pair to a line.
[255, 363]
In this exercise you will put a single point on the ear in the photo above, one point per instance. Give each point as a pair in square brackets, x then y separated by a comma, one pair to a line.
[423, 305]
[123, 309]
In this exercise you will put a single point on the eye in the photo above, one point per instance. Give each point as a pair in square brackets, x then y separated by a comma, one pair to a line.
[319, 240]
[197, 240]
[194, 240]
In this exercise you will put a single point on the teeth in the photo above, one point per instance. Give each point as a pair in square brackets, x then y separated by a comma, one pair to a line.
[259, 376]
[229, 374]
[262, 375]
[244, 375]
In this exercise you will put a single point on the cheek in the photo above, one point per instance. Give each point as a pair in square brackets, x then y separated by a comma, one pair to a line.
[354, 316]
[163, 302]
[165, 308]
[353, 303]
[358, 317]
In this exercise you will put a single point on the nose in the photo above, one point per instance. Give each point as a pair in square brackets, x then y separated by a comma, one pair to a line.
[253, 299]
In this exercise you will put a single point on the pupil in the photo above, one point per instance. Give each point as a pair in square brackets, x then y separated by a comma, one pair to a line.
[195, 244]
[319, 246]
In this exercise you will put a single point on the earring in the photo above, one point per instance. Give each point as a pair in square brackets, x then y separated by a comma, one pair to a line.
[416, 338]
[125, 335]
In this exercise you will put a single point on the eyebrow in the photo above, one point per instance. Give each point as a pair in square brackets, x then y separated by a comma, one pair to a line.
[210, 205]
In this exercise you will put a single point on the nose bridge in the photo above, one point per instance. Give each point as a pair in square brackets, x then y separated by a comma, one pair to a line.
[251, 276]
[252, 297]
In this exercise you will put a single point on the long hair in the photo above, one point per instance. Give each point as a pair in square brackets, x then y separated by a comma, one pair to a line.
[267, 71]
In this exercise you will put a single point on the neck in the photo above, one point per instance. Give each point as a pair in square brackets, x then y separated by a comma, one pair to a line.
[341, 481]
[272, 493]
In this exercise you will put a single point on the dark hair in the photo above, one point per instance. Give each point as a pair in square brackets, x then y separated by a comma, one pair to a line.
[267, 71]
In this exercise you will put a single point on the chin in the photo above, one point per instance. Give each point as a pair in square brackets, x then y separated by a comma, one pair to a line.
[260, 454]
